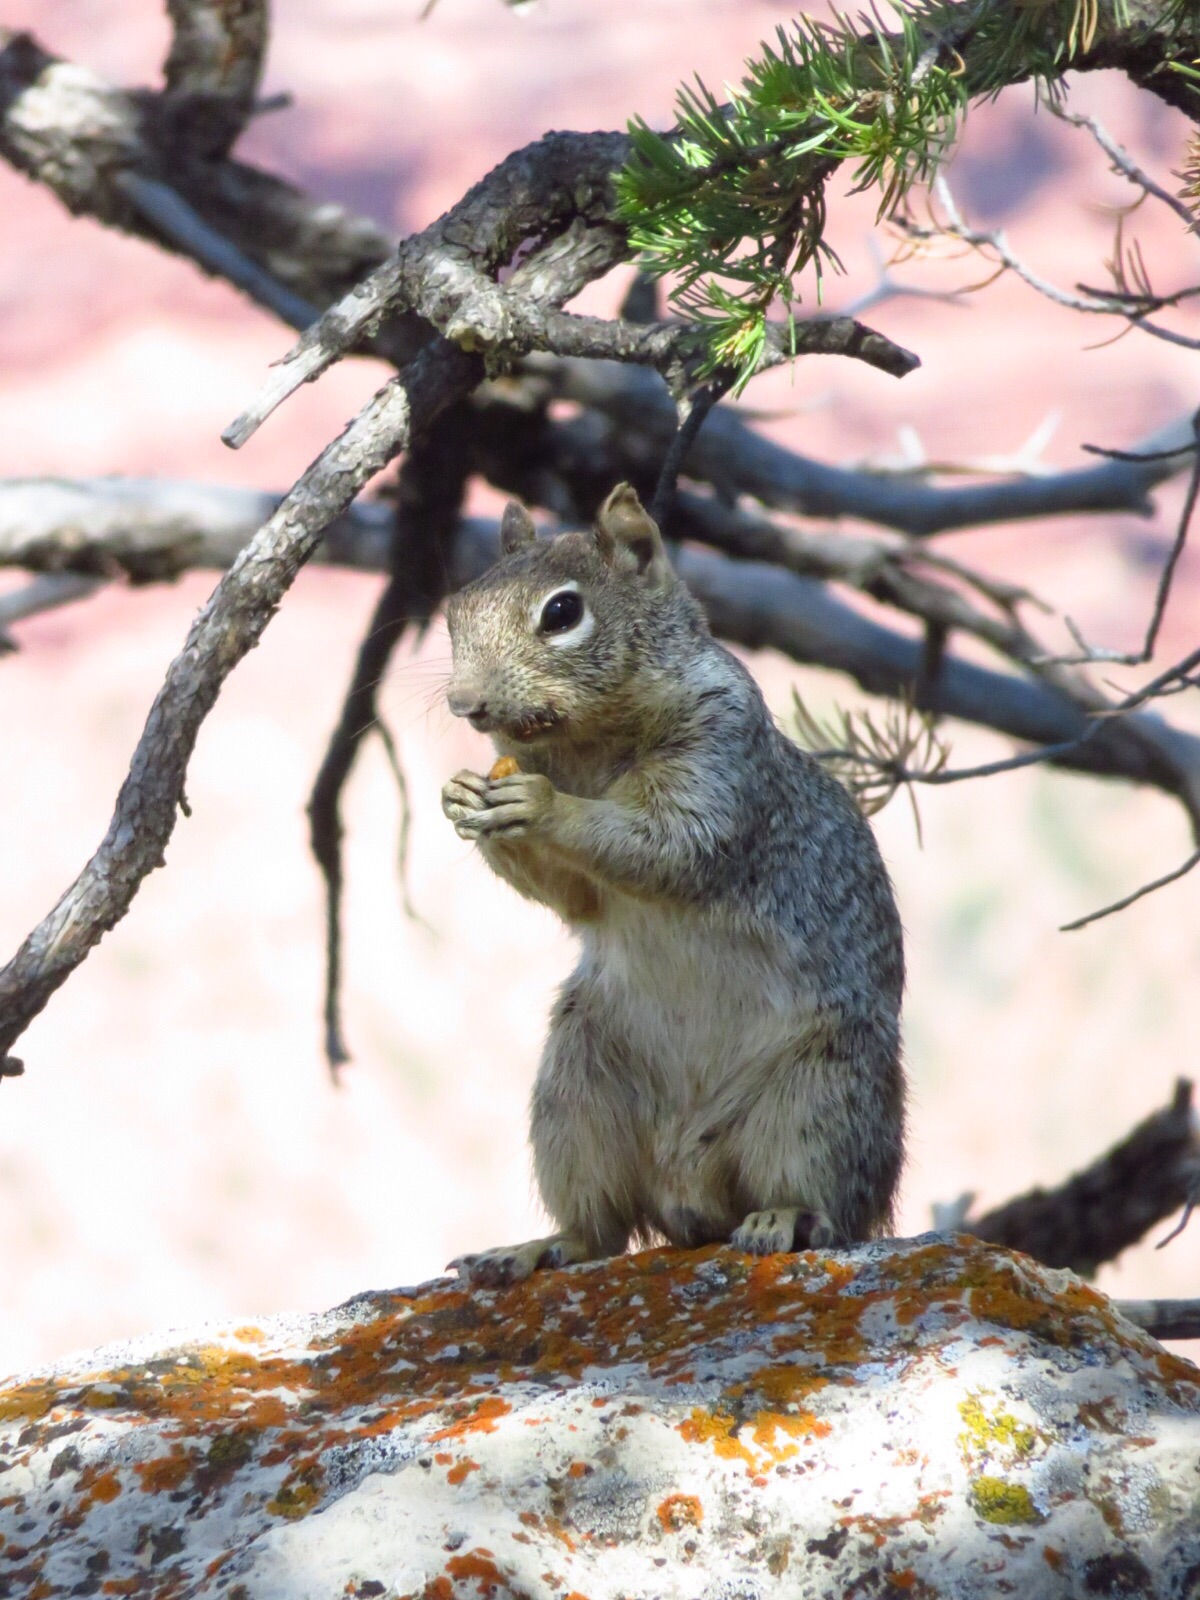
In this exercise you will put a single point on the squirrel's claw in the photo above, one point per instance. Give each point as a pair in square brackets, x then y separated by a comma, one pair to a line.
[767, 1233]
[511, 806]
[495, 1269]
[463, 796]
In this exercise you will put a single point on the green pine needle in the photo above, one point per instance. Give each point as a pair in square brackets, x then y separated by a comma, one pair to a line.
[731, 204]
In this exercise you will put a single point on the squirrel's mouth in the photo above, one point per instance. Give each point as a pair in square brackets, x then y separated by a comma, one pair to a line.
[528, 725]
[533, 724]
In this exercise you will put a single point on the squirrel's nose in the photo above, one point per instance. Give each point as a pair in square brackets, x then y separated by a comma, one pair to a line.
[467, 703]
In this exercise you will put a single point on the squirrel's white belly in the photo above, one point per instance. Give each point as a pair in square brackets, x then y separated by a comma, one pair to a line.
[694, 999]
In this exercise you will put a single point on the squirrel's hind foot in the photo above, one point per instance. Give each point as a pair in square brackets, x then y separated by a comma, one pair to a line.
[493, 1269]
[767, 1233]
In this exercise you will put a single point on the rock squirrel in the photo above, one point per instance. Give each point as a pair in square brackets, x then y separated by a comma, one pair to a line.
[724, 1062]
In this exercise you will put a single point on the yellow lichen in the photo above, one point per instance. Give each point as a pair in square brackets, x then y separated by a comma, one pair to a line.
[997, 1435]
[294, 1501]
[997, 1500]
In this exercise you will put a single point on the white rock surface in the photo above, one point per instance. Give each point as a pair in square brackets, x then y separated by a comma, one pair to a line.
[929, 1418]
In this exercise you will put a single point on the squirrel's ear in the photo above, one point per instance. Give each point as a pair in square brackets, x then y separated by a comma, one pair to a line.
[624, 529]
[516, 528]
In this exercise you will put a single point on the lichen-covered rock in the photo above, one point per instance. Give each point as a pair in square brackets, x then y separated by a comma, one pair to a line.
[932, 1418]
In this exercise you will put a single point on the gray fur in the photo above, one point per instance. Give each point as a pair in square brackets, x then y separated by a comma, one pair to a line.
[724, 1062]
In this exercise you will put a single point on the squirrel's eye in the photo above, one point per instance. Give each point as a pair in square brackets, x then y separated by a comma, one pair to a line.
[561, 611]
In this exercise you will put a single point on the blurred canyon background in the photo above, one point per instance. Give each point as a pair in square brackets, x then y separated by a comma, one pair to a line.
[176, 1151]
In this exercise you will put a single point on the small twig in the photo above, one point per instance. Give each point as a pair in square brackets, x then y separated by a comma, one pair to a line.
[387, 740]
[1138, 455]
[1124, 164]
[1184, 1219]
[888, 288]
[693, 409]
[888, 767]
[1134, 307]
[1147, 888]
[1088, 655]
[324, 340]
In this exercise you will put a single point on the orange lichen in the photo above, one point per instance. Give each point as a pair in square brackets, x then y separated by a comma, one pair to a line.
[478, 1564]
[718, 1429]
[482, 1419]
[680, 1511]
[165, 1472]
[786, 1383]
[435, 1363]
[800, 1425]
[97, 1484]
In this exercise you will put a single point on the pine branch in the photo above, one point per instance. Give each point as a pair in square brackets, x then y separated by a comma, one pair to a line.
[730, 203]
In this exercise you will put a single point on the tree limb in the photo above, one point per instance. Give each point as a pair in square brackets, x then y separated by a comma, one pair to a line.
[1111, 1204]
[229, 625]
[65, 127]
[729, 455]
[247, 596]
[151, 530]
[213, 70]
[429, 494]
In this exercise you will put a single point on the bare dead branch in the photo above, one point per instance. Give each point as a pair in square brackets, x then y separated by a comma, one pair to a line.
[883, 571]
[180, 225]
[734, 459]
[213, 70]
[1111, 1204]
[1163, 1319]
[149, 529]
[152, 530]
[1124, 164]
[41, 594]
[432, 483]
[65, 127]
[229, 625]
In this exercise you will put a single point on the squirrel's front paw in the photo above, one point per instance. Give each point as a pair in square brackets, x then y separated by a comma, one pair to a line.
[509, 807]
[462, 798]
